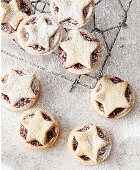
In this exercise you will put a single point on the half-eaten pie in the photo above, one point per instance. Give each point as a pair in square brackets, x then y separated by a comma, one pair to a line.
[19, 89]
[73, 13]
[112, 97]
[89, 144]
[38, 129]
[38, 34]
[13, 11]
[79, 51]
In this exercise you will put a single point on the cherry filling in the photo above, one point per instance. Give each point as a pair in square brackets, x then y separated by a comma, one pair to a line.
[100, 105]
[46, 117]
[34, 87]
[5, 97]
[56, 9]
[25, 8]
[70, 22]
[62, 55]
[85, 128]
[23, 131]
[101, 152]
[85, 12]
[101, 134]
[85, 157]
[23, 102]
[115, 112]
[75, 144]
[7, 28]
[50, 135]
[38, 47]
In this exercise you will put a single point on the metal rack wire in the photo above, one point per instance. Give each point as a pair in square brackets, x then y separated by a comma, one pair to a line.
[44, 8]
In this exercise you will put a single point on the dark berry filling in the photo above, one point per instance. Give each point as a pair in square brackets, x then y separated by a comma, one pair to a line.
[100, 105]
[62, 55]
[75, 144]
[34, 88]
[101, 134]
[25, 8]
[78, 66]
[29, 116]
[32, 21]
[116, 80]
[99, 88]
[25, 34]
[85, 12]
[35, 143]
[70, 22]
[5, 97]
[46, 117]
[85, 128]
[85, 157]
[48, 21]
[101, 152]
[38, 47]
[23, 102]
[115, 112]
[4, 79]
[94, 56]
[7, 28]
[23, 131]
[20, 72]
[88, 38]
[127, 93]
[56, 9]
[6, 1]
[50, 135]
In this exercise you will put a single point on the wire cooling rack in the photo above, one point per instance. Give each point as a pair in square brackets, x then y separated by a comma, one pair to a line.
[42, 6]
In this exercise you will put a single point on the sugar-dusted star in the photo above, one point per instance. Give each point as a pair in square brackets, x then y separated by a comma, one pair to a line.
[11, 13]
[112, 95]
[37, 127]
[89, 143]
[78, 50]
[18, 87]
[73, 8]
[41, 32]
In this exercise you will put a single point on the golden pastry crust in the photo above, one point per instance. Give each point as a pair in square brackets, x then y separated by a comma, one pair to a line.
[79, 52]
[89, 144]
[36, 128]
[19, 89]
[72, 14]
[112, 100]
[13, 13]
[39, 34]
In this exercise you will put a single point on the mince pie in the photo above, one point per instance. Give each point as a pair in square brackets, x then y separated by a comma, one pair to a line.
[79, 51]
[112, 97]
[73, 13]
[89, 144]
[13, 11]
[38, 34]
[38, 129]
[19, 89]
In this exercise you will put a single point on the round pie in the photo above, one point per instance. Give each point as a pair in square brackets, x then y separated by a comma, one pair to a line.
[112, 97]
[19, 89]
[73, 13]
[89, 144]
[38, 34]
[13, 11]
[79, 51]
[38, 129]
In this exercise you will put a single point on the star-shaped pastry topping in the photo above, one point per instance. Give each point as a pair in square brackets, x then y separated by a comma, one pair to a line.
[78, 49]
[37, 127]
[11, 13]
[71, 9]
[18, 87]
[89, 143]
[41, 32]
[112, 95]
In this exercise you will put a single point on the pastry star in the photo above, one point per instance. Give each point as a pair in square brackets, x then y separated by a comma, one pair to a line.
[73, 10]
[90, 143]
[37, 127]
[112, 95]
[41, 32]
[78, 50]
[11, 13]
[18, 87]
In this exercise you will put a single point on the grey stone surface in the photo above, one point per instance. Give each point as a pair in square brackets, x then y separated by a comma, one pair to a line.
[73, 108]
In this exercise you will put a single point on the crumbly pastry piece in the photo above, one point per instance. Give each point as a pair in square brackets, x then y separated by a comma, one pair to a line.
[89, 144]
[19, 89]
[13, 11]
[38, 129]
[112, 97]
[79, 52]
[72, 13]
[39, 34]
